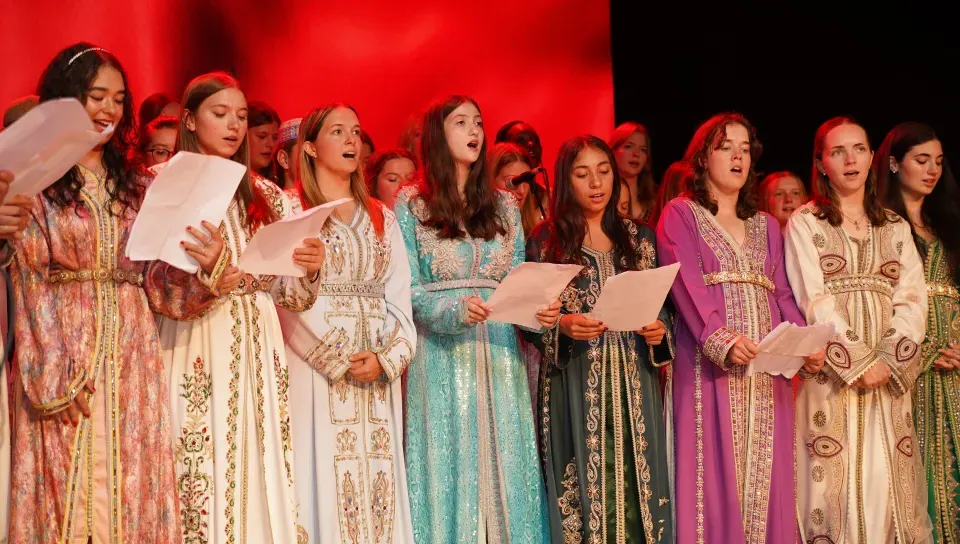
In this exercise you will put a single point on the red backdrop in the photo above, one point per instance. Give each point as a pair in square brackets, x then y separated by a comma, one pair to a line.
[545, 61]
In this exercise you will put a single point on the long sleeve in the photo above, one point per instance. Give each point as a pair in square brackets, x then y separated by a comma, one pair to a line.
[438, 312]
[677, 241]
[51, 377]
[176, 294]
[899, 348]
[294, 294]
[549, 342]
[663, 353]
[397, 349]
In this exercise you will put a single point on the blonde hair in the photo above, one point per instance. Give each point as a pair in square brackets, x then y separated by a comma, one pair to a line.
[504, 154]
[307, 185]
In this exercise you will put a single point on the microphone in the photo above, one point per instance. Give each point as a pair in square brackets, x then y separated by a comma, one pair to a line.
[526, 177]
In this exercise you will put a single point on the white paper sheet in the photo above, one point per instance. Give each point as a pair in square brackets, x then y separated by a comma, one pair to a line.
[527, 289]
[270, 252]
[783, 349]
[632, 300]
[190, 188]
[45, 143]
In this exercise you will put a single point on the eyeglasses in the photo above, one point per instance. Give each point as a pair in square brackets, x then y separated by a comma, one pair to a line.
[159, 153]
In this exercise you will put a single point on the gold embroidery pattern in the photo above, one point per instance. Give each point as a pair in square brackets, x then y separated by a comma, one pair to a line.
[569, 504]
[194, 449]
[234, 410]
[381, 440]
[283, 400]
[381, 505]
[350, 508]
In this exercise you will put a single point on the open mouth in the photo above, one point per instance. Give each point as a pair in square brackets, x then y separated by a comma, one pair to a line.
[850, 174]
[350, 155]
[788, 209]
[634, 164]
[102, 124]
[737, 170]
[474, 144]
[232, 139]
[597, 197]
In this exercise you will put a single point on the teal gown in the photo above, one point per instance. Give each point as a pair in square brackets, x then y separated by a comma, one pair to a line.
[472, 466]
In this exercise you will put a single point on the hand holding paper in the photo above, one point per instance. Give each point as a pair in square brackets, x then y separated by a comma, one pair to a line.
[783, 350]
[527, 289]
[189, 190]
[632, 300]
[272, 249]
[46, 143]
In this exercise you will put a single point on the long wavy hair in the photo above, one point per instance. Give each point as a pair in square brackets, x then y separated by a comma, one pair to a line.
[567, 224]
[65, 79]
[307, 184]
[709, 137]
[941, 208]
[258, 210]
[477, 213]
[823, 194]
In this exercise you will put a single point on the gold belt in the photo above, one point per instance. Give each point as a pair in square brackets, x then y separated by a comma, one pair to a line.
[872, 282]
[352, 289]
[116, 275]
[943, 290]
[756, 278]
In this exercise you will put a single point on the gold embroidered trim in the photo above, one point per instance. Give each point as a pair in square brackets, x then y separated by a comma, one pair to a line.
[943, 290]
[869, 282]
[756, 278]
[352, 289]
[478, 283]
[115, 275]
[59, 404]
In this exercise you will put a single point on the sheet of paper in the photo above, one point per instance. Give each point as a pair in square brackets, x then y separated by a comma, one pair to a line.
[190, 188]
[782, 351]
[528, 288]
[45, 143]
[270, 252]
[632, 300]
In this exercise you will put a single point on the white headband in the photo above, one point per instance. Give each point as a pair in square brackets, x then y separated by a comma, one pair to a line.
[73, 58]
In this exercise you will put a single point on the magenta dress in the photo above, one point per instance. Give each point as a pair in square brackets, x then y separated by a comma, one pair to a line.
[734, 435]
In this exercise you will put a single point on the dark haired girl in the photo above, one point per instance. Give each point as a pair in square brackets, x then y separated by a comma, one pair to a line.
[472, 461]
[600, 390]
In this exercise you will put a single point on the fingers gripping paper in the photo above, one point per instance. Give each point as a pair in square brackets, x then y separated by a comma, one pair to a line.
[270, 252]
[527, 289]
[632, 300]
[190, 189]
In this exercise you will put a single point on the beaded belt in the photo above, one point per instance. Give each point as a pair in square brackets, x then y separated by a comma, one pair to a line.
[461, 284]
[755, 278]
[116, 275]
[352, 289]
[251, 284]
[876, 283]
[943, 290]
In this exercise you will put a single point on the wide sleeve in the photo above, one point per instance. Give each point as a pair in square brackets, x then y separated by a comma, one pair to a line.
[663, 353]
[550, 342]
[176, 294]
[782, 293]
[848, 357]
[397, 349]
[50, 375]
[899, 348]
[701, 311]
[292, 293]
[439, 312]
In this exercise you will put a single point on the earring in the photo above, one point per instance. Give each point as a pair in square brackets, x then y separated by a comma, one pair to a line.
[894, 169]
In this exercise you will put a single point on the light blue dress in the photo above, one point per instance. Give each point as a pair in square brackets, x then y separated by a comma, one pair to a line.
[472, 467]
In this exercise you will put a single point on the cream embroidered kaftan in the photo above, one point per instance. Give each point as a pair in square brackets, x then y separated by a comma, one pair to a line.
[228, 394]
[347, 435]
[859, 474]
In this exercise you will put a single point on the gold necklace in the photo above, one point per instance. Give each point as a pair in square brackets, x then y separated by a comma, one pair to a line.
[856, 222]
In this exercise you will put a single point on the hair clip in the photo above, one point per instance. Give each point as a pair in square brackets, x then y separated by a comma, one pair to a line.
[73, 58]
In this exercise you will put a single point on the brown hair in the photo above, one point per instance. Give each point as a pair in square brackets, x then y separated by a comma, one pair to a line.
[197, 91]
[709, 137]
[769, 184]
[646, 186]
[477, 214]
[158, 123]
[676, 181]
[379, 160]
[504, 154]
[823, 193]
[307, 184]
